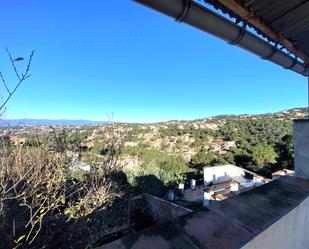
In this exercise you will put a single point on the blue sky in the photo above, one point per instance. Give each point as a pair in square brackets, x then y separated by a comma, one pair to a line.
[94, 58]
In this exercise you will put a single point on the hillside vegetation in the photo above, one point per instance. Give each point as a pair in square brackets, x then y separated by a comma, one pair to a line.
[261, 143]
[80, 178]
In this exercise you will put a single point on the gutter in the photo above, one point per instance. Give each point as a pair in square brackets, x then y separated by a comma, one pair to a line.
[198, 16]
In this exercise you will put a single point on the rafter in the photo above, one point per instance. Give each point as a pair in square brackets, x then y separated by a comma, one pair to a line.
[239, 9]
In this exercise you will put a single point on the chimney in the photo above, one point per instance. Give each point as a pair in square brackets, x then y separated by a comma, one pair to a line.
[234, 188]
[193, 184]
[181, 188]
[207, 197]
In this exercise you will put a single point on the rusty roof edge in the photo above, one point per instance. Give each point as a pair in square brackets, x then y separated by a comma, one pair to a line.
[236, 7]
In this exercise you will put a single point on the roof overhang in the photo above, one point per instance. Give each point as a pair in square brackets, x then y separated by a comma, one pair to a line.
[246, 10]
[271, 41]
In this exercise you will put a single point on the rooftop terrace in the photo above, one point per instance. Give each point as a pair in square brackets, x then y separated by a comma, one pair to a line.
[260, 218]
[223, 181]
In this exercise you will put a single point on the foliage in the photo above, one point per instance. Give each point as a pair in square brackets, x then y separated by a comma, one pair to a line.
[202, 159]
[36, 184]
[165, 168]
[150, 184]
[62, 140]
[284, 149]
[37, 181]
[32, 142]
[170, 169]
[263, 156]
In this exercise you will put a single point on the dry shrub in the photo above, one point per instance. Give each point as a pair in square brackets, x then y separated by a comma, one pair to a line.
[34, 187]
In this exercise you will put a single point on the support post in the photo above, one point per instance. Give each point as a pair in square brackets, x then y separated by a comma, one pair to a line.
[301, 148]
[301, 144]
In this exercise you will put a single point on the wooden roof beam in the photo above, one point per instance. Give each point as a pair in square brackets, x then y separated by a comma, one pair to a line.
[243, 12]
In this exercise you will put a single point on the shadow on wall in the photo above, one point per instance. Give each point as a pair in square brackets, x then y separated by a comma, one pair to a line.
[149, 184]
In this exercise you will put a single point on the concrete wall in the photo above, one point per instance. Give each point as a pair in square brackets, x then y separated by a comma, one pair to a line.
[162, 211]
[291, 231]
[221, 173]
[301, 148]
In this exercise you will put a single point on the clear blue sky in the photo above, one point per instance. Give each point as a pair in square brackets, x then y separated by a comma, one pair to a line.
[98, 57]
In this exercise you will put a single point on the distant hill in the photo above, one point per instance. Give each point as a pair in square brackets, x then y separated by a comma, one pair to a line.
[39, 122]
[261, 143]
[293, 113]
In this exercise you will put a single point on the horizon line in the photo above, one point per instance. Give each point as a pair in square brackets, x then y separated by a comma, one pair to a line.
[145, 122]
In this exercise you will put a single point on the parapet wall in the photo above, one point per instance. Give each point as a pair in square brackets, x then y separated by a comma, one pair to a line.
[291, 231]
[272, 216]
[162, 211]
[146, 208]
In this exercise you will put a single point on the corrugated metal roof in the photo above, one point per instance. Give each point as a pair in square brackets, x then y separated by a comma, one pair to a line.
[288, 18]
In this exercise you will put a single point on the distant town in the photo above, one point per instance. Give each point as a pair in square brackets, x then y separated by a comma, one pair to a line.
[216, 140]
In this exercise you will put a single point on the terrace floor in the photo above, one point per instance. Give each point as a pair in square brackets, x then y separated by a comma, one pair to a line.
[196, 195]
[228, 224]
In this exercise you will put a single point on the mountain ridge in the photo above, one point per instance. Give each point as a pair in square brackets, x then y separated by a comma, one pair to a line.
[45, 122]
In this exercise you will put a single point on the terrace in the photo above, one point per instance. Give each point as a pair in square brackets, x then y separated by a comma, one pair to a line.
[273, 215]
[222, 182]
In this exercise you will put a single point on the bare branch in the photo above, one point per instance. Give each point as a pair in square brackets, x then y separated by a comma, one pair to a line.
[13, 63]
[4, 83]
[22, 78]
[28, 65]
